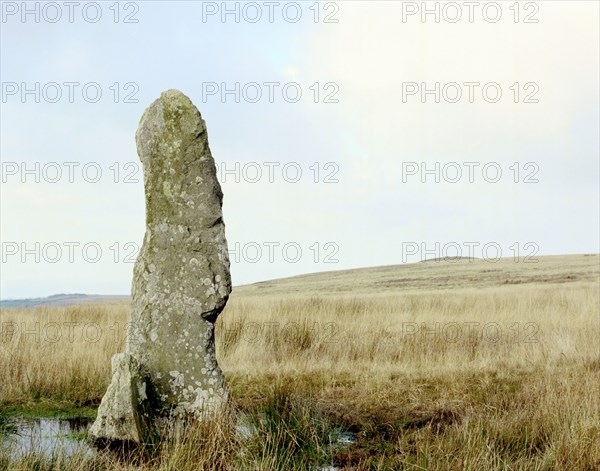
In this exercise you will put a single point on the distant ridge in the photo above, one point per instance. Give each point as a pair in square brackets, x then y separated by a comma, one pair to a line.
[61, 300]
[432, 274]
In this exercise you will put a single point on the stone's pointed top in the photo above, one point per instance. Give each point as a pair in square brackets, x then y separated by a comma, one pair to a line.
[172, 92]
[175, 95]
[169, 101]
[168, 127]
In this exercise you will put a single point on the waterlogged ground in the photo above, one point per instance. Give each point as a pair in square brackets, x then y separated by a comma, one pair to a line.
[47, 437]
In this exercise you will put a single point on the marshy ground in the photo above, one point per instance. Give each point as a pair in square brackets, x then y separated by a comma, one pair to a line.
[465, 365]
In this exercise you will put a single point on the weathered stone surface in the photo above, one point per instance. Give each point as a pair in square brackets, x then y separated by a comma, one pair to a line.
[123, 413]
[181, 278]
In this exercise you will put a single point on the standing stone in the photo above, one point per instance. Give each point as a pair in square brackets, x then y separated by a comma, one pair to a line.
[181, 283]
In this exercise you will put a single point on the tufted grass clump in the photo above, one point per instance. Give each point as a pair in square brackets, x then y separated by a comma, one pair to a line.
[290, 432]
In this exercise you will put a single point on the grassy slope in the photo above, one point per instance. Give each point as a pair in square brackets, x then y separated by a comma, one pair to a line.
[434, 275]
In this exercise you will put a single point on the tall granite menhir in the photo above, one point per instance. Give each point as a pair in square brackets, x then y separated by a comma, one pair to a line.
[181, 283]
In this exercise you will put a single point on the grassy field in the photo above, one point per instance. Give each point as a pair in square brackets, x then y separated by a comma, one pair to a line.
[465, 365]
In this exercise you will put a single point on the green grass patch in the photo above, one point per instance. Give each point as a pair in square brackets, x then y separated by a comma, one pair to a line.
[48, 409]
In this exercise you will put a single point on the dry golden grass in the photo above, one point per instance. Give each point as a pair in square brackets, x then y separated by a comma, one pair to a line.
[438, 365]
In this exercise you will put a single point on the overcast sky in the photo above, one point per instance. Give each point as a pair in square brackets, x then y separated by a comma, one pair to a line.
[328, 115]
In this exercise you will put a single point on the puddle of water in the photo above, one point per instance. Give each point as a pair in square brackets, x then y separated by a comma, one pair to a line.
[246, 431]
[339, 441]
[47, 438]
[342, 440]
[50, 437]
